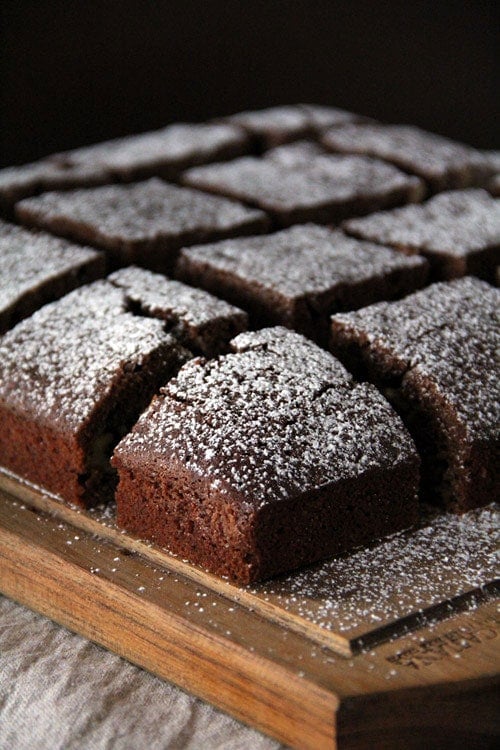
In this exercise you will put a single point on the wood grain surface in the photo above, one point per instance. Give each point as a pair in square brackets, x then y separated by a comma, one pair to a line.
[433, 687]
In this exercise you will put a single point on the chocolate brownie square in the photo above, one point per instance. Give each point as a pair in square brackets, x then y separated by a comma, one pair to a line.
[275, 125]
[458, 232]
[297, 154]
[435, 354]
[321, 117]
[442, 163]
[265, 459]
[325, 190]
[161, 153]
[200, 321]
[27, 180]
[300, 276]
[493, 159]
[144, 223]
[36, 268]
[73, 379]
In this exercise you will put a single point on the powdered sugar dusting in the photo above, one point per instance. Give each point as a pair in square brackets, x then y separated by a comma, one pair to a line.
[295, 154]
[321, 117]
[274, 419]
[290, 122]
[142, 211]
[47, 174]
[177, 146]
[305, 259]
[173, 300]
[425, 154]
[29, 259]
[59, 364]
[454, 223]
[276, 185]
[402, 576]
[450, 333]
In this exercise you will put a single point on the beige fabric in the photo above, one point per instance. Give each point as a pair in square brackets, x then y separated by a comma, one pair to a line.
[61, 692]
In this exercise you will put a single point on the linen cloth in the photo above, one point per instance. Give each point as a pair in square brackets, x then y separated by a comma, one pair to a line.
[59, 691]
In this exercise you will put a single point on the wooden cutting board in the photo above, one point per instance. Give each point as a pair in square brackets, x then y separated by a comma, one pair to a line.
[395, 646]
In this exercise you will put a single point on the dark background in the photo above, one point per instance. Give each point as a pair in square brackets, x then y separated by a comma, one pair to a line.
[79, 72]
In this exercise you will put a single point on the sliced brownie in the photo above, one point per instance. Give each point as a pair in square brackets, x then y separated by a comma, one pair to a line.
[73, 379]
[275, 125]
[436, 355]
[36, 268]
[442, 163]
[297, 154]
[493, 159]
[298, 277]
[203, 323]
[321, 117]
[327, 189]
[26, 180]
[144, 223]
[265, 459]
[458, 231]
[163, 153]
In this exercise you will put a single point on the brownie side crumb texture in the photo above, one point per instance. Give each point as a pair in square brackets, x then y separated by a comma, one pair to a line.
[442, 163]
[266, 459]
[300, 276]
[36, 268]
[435, 354]
[458, 232]
[200, 321]
[144, 223]
[323, 189]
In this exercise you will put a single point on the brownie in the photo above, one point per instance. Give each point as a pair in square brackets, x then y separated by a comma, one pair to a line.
[493, 159]
[298, 277]
[458, 231]
[200, 321]
[321, 117]
[323, 189]
[442, 163]
[265, 459]
[73, 379]
[27, 180]
[276, 125]
[144, 223]
[163, 153]
[435, 354]
[36, 268]
[296, 154]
